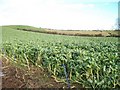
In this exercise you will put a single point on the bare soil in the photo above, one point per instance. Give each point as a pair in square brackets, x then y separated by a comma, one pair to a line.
[93, 33]
[21, 77]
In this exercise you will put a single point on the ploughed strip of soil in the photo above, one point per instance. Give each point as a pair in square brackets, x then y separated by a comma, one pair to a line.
[21, 77]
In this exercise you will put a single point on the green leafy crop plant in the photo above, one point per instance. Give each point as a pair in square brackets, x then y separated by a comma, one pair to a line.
[91, 64]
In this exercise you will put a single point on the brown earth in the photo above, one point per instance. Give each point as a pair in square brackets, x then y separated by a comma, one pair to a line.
[92, 33]
[21, 77]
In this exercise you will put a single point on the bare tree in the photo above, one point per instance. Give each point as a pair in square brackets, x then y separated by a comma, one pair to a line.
[116, 26]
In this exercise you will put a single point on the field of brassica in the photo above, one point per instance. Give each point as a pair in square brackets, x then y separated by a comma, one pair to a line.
[90, 61]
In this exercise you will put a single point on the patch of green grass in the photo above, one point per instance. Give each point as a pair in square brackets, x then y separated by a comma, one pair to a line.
[24, 27]
[11, 34]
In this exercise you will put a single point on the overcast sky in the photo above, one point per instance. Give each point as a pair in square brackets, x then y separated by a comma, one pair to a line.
[60, 14]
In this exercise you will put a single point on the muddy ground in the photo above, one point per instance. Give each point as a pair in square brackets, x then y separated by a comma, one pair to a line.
[21, 77]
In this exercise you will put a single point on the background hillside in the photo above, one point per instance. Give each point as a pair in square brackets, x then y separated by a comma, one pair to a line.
[99, 33]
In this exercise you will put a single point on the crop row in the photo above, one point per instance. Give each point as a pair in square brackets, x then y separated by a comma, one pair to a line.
[94, 65]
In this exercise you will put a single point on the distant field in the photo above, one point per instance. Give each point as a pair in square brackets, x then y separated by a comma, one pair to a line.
[99, 33]
[88, 61]
[95, 33]
[10, 33]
